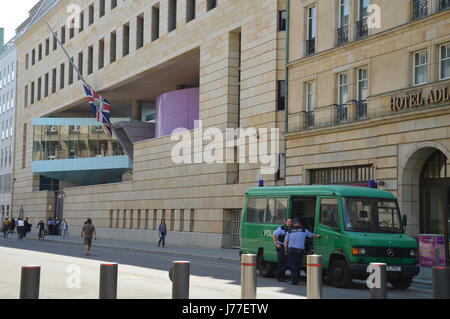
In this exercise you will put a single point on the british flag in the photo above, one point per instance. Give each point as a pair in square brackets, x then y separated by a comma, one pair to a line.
[100, 107]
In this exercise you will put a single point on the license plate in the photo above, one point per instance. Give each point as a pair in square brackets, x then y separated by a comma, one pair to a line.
[394, 268]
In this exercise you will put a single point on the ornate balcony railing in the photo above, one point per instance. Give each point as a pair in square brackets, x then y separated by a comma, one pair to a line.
[361, 110]
[362, 29]
[420, 9]
[341, 114]
[444, 4]
[310, 46]
[342, 35]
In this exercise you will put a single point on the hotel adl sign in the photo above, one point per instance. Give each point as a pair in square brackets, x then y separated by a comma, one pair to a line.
[420, 99]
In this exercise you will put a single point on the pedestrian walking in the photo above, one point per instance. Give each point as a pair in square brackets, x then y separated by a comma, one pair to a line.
[20, 228]
[162, 233]
[6, 224]
[278, 240]
[64, 229]
[25, 227]
[88, 232]
[41, 231]
[12, 226]
[294, 244]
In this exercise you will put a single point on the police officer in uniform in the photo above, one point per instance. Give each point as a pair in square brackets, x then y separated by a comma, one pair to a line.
[294, 245]
[278, 240]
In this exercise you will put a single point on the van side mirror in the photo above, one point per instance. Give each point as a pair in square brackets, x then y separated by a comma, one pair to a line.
[405, 220]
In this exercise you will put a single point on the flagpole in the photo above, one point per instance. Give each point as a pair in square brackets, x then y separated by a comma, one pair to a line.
[71, 62]
[67, 54]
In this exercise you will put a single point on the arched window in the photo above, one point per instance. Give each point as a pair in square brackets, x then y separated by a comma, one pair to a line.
[436, 167]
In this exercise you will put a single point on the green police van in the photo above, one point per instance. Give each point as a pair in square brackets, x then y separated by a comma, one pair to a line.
[357, 226]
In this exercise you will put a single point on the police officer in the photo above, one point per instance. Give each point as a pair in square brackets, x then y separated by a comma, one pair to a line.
[278, 240]
[294, 245]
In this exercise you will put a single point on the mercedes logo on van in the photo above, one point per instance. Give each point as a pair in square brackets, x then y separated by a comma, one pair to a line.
[390, 252]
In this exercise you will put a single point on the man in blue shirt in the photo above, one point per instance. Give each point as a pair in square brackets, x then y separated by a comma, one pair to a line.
[294, 244]
[278, 240]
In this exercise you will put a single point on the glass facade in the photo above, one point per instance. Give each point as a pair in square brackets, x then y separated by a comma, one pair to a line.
[54, 142]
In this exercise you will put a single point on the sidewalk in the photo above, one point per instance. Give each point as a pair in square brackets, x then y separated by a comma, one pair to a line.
[221, 254]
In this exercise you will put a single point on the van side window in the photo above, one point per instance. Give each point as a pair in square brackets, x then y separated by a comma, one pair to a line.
[329, 212]
[255, 210]
[276, 211]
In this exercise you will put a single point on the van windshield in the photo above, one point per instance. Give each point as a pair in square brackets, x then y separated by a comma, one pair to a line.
[372, 215]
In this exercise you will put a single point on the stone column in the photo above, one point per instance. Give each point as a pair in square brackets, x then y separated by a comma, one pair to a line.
[136, 110]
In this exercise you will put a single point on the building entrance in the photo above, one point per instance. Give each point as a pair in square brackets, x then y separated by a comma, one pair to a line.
[435, 197]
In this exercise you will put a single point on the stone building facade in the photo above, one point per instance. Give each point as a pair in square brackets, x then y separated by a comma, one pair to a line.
[132, 52]
[369, 85]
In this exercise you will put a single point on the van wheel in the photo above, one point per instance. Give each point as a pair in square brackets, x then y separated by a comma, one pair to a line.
[401, 283]
[339, 275]
[266, 269]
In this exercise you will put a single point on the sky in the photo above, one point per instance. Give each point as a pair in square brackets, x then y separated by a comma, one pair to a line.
[12, 14]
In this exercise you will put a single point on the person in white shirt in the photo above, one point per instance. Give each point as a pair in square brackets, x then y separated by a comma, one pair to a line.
[64, 229]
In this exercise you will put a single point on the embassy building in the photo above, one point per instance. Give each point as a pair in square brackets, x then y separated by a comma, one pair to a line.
[162, 64]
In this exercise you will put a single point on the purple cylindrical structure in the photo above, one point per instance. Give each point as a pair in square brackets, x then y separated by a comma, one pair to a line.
[177, 109]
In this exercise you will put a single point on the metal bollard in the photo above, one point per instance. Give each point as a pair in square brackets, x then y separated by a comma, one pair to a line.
[441, 283]
[377, 281]
[248, 276]
[29, 282]
[314, 276]
[108, 281]
[180, 279]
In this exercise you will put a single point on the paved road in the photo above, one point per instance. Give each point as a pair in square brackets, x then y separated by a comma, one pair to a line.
[145, 275]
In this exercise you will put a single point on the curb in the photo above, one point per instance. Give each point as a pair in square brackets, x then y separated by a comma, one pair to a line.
[142, 250]
[423, 281]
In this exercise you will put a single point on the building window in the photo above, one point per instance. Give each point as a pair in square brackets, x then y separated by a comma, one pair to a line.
[33, 57]
[62, 76]
[63, 35]
[126, 40]
[420, 9]
[32, 93]
[140, 31]
[362, 92]
[72, 29]
[55, 41]
[47, 47]
[311, 30]
[362, 28]
[81, 21]
[282, 20]
[27, 65]
[444, 4]
[46, 78]
[102, 8]
[344, 21]
[281, 95]
[54, 80]
[91, 14]
[40, 52]
[101, 54]
[351, 175]
[445, 62]
[155, 23]
[113, 4]
[420, 62]
[211, 4]
[71, 72]
[113, 48]
[309, 104]
[39, 89]
[80, 64]
[90, 60]
[342, 111]
[190, 10]
[172, 21]
[26, 96]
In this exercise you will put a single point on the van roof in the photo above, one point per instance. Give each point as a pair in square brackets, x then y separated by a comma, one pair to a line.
[321, 190]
